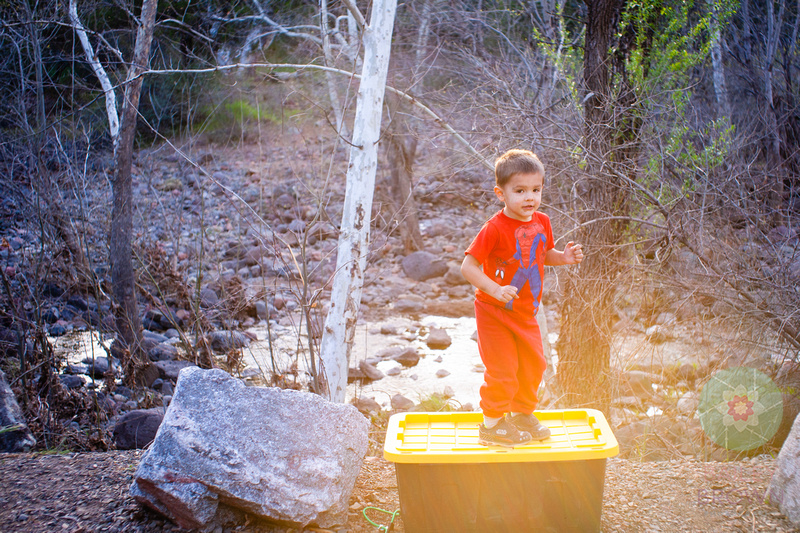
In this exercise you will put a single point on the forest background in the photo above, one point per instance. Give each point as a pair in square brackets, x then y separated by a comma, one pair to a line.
[669, 130]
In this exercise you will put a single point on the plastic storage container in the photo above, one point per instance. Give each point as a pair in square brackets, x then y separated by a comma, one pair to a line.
[449, 483]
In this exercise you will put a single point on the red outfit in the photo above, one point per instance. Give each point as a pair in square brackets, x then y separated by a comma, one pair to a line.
[512, 253]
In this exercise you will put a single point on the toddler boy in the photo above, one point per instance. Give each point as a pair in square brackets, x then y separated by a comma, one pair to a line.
[505, 263]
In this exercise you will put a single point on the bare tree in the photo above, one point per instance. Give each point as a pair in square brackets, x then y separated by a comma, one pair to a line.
[339, 330]
[120, 241]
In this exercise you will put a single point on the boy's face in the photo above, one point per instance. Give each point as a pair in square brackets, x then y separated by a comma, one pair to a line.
[522, 195]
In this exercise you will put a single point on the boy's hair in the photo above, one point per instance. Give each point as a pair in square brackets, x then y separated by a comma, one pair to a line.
[516, 162]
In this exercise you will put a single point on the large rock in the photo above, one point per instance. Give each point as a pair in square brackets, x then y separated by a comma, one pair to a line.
[284, 455]
[15, 435]
[784, 489]
[423, 265]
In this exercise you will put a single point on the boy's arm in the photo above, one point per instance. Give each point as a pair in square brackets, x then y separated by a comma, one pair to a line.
[572, 255]
[472, 271]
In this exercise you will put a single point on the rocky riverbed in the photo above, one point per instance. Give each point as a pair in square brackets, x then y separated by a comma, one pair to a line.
[239, 247]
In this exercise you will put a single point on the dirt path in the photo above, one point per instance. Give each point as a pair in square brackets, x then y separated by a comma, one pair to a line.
[89, 492]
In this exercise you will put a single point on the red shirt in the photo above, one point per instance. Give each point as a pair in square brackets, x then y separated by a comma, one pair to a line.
[512, 253]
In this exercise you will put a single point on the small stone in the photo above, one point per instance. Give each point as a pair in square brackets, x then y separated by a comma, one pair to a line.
[71, 382]
[368, 406]
[657, 334]
[438, 339]
[408, 357]
[97, 367]
[208, 298]
[422, 265]
[442, 373]
[370, 371]
[225, 341]
[137, 429]
[401, 403]
[408, 306]
[688, 403]
[394, 371]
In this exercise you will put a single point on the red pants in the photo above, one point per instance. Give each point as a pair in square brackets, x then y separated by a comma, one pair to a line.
[511, 350]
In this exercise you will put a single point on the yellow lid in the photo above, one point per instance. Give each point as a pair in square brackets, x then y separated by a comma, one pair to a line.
[576, 434]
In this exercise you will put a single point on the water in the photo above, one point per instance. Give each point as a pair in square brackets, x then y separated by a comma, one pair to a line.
[460, 359]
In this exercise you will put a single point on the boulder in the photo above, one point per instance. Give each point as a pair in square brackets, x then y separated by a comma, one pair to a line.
[284, 455]
[15, 435]
[422, 265]
[784, 488]
[438, 339]
[136, 429]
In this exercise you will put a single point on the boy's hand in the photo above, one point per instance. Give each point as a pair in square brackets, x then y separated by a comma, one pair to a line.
[505, 293]
[573, 253]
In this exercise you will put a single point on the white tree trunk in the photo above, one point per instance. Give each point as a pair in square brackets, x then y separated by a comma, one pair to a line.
[339, 330]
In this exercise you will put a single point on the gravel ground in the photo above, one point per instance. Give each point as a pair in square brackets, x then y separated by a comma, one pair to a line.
[83, 492]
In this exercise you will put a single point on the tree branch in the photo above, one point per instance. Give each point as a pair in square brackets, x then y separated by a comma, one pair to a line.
[351, 6]
[100, 72]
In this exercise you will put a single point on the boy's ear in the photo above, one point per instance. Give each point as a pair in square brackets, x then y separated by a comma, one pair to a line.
[499, 193]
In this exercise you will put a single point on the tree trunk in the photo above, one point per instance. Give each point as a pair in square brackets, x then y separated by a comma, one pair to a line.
[402, 150]
[423, 34]
[339, 330]
[720, 86]
[774, 167]
[122, 273]
[584, 345]
[333, 92]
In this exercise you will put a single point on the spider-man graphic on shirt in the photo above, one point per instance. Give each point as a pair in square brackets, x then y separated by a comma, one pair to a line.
[529, 238]
[509, 248]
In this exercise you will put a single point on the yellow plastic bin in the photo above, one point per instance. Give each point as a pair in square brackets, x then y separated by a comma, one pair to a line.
[450, 483]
